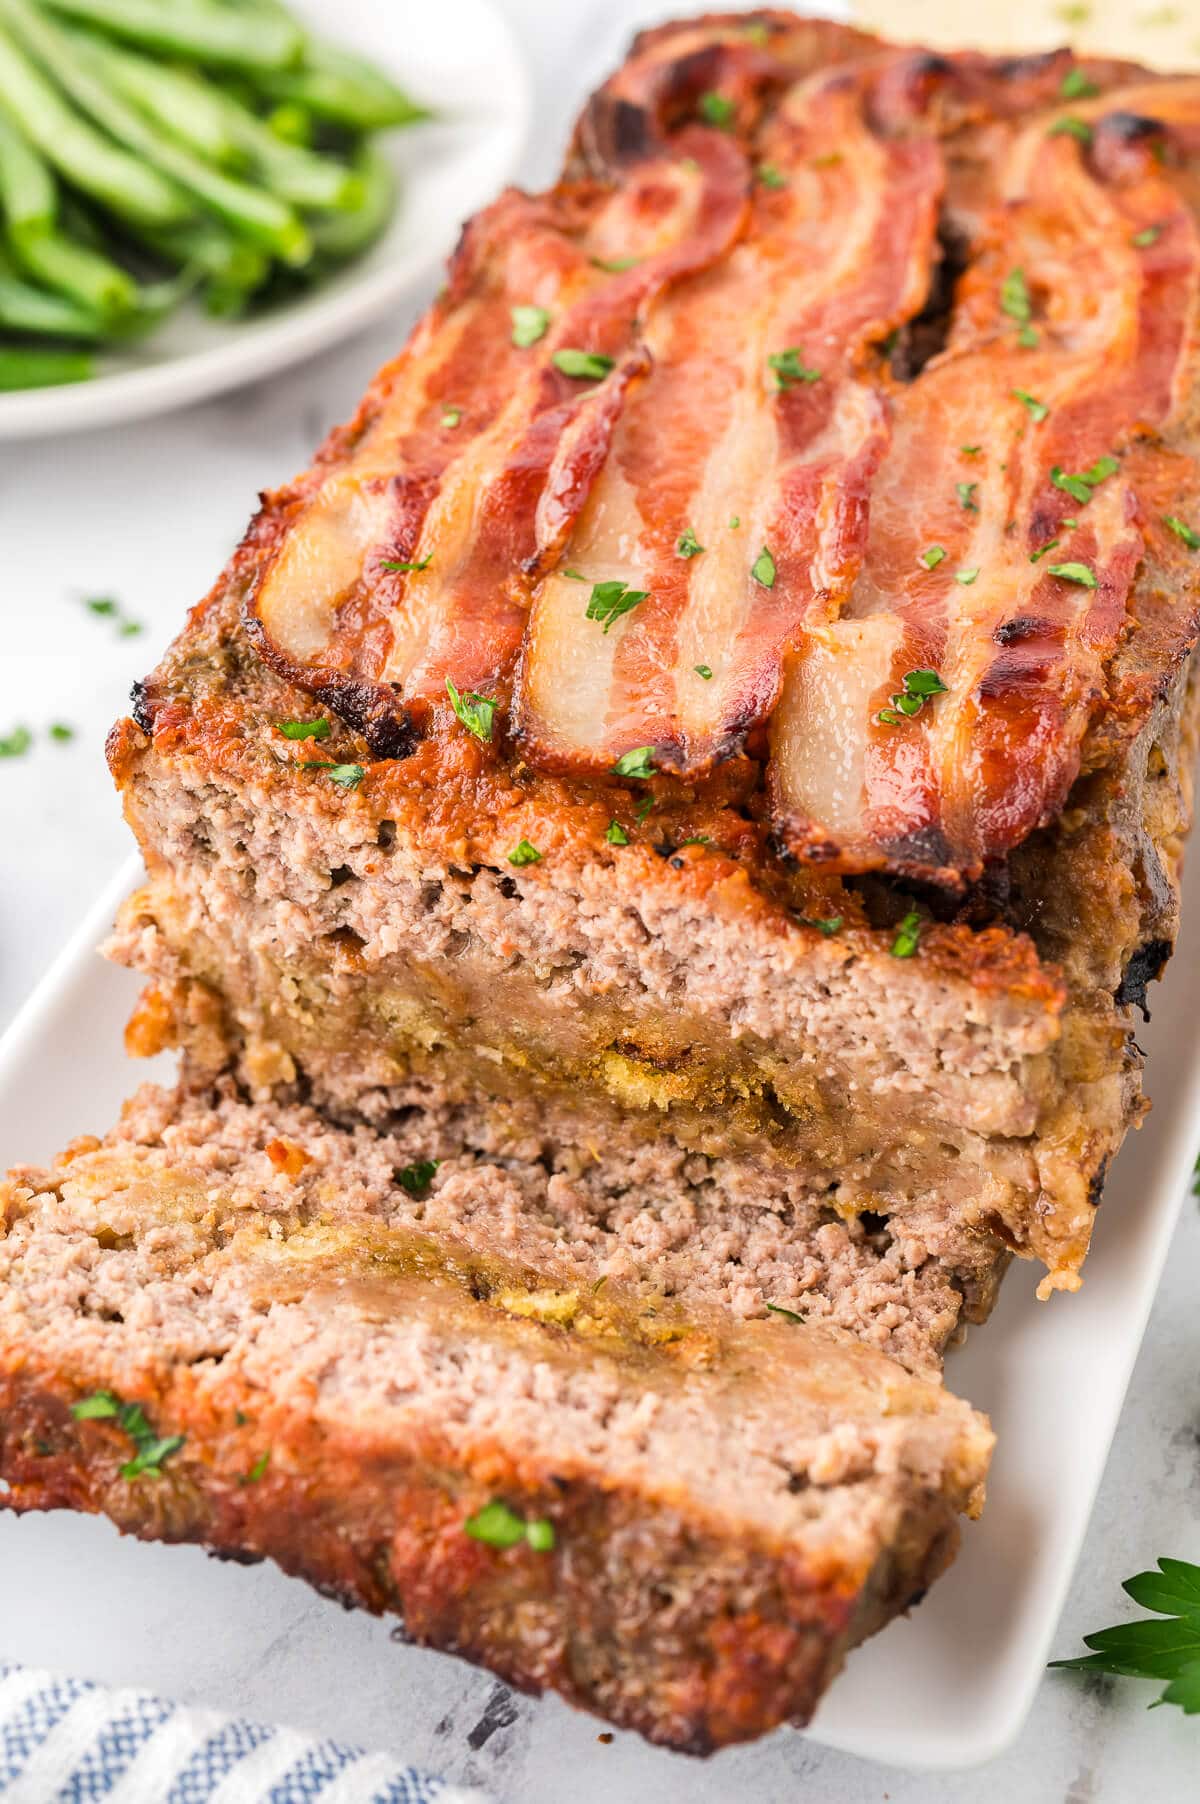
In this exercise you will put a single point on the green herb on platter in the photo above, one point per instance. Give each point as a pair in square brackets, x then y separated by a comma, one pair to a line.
[16, 743]
[1165, 1646]
[716, 109]
[763, 569]
[789, 1314]
[789, 367]
[687, 544]
[1183, 531]
[616, 835]
[523, 853]
[584, 366]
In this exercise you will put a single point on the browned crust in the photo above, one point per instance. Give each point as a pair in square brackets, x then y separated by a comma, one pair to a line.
[650, 1618]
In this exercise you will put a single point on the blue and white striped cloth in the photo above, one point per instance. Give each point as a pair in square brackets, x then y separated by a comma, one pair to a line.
[67, 1741]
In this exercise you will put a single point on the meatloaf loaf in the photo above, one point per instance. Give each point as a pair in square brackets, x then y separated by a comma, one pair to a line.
[729, 682]
[240, 1326]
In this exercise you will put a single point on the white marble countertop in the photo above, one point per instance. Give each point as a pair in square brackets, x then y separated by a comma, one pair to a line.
[147, 513]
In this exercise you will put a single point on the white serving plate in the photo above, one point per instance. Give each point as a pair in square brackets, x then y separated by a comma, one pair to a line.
[948, 1687]
[457, 56]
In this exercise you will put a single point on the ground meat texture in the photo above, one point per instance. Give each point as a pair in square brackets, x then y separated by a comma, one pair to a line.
[722, 1507]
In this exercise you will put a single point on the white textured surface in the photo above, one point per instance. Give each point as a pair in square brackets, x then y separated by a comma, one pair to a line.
[147, 513]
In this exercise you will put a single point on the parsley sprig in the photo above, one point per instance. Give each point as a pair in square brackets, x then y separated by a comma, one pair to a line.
[1163, 1646]
[1079, 487]
[789, 366]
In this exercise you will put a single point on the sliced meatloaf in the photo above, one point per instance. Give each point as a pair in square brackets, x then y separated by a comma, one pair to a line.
[244, 1328]
[663, 707]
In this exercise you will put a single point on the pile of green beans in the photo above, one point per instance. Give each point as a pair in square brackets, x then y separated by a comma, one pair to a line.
[156, 149]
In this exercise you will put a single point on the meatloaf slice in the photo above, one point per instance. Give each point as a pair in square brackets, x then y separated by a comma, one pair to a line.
[224, 1327]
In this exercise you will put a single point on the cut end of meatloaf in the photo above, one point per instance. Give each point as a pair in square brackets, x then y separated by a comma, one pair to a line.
[357, 940]
[242, 1330]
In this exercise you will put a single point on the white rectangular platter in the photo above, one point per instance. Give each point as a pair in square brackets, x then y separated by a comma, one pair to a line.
[946, 1688]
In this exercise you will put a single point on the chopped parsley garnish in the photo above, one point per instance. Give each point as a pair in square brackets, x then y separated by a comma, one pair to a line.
[499, 1526]
[524, 853]
[585, 366]
[346, 776]
[1183, 531]
[475, 711]
[966, 577]
[637, 763]
[1027, 338]
[763, 569]
[575, 576]
[1035, 557]
[970, 450]
[789, 366]
[966, 496]
[697, 839]
[151, 1450]
[16, 743]
[687, 544]
[1071, 127]
[908, 935]
[789, 1314]
[398, 566]
[451, 416]
[612, 599]
[417, 1178]
[919, 687]
[61, 732]
[614, 266]
[151, 1455]
[932, 556]
[830, 925]
[1165, 1648]
[735, 521]
[257, 1469]
[643, 809]
[529, 323]
[1148, 235]
[1076, 85]
[716, 109]
[757, 33]
[616, 834]
[1083, 574]
[1079, 487]
[703, 670]
[770, 176]
[108, 608]
[304, 729]
[1014, 297]
[1038, 411]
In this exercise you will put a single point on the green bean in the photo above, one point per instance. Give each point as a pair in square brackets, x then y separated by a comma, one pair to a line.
[217, 36]
[178, 103]
[72, 270]
[79, 152]
[20, 368]
[345, 90]
[206, 245]
[318, 183]
[342, 235]
[262, 218]
[27, 309]
[291, 124]
[27, 193]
